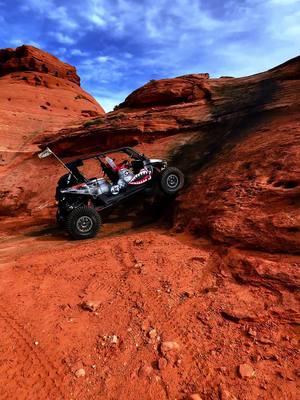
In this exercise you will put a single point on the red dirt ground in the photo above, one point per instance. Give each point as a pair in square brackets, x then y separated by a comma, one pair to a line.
[151, 286]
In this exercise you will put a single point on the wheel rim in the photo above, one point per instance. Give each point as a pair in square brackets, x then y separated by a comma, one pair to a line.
[172, 181]
[84, 224]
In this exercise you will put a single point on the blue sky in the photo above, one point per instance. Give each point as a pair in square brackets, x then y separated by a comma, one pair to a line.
[118, 45]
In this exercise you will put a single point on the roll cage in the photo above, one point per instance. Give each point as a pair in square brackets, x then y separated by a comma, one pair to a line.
[73, 165]
[126, 150]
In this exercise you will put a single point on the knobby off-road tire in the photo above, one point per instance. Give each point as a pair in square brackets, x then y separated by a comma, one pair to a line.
[83, 223]
[172, 180]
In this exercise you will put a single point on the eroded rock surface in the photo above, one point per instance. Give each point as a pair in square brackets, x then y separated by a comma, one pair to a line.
[38, 94]
[29, 58]
[237, 140]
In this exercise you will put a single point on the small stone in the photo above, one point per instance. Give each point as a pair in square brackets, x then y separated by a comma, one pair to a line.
[162, 363]
[263, 386]
[264, 341]
[138, 241]
[252, 332]
[246, 371]
[80, 372]
[90, 305]
[36, 343]
[138, 265]
[145, 370]
[224, 273]
[114, 339]
[195, 396]
[178, 362]
[167, 347]
[93, 366]
[255, 358]
[188, 293]
[152, 334]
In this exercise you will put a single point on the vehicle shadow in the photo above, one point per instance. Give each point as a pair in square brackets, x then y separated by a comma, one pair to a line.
[127, 216]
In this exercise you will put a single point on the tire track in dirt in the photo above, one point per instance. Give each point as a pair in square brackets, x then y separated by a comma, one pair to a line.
[166, 309]
[34, 375]
[167, 316]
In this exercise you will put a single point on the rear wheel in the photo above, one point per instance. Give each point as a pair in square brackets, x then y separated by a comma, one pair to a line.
[172, 180]
[83, 223]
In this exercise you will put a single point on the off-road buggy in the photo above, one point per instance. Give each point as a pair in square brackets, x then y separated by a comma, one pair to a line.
[125, 174]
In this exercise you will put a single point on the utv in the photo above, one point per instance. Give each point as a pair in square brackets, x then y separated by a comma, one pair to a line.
[81, 200]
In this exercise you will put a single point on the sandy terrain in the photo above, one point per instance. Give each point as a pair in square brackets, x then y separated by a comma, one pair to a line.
[145, 287]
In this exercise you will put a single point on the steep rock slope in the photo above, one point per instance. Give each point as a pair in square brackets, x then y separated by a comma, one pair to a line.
[38, 94]
[237, 140]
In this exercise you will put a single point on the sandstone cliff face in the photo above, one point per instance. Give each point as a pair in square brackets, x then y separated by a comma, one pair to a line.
[29, 58]
[237, 140]
[38, 94]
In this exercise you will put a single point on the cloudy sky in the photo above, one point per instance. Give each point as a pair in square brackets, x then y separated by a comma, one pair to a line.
[118, 45]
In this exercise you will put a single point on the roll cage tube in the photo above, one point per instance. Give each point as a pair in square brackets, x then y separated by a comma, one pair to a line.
[126, 150]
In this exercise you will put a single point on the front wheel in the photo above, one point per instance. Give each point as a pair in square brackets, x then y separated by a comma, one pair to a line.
[172, 180]
[83, 223]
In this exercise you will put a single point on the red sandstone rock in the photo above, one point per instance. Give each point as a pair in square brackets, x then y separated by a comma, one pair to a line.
[187, 89]
[246, 371]
[38, 94]
[29, 58]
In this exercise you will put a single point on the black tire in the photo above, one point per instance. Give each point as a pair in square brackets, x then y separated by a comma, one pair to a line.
[172, 180]
[83, 223]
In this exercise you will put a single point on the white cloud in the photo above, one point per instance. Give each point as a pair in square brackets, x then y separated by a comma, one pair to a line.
[62, 38]
[103, 59]
[64, 19]
[284, 2]
[61, 51]
[108, 103]
[16, 42]
[47, 8]
[78, 52]
[109, 100]
[42, 6]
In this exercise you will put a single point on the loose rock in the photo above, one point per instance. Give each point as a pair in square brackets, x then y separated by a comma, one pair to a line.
[167, 347]
[195, 396]
[138, 241]
[246, 371]
[252, 332]
[114, 339]
[145, 370]
[162, 363]
[80, 372]
[90, 305]
[152, 334]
